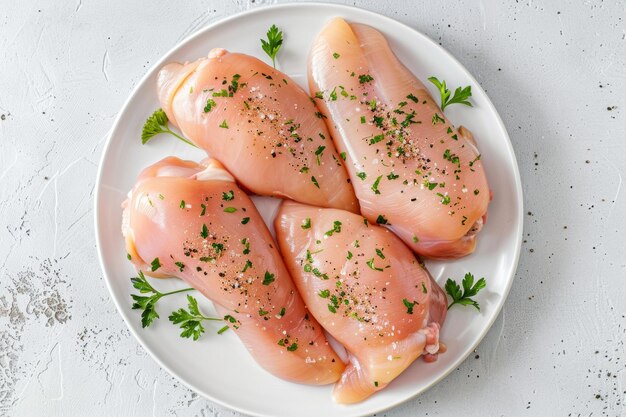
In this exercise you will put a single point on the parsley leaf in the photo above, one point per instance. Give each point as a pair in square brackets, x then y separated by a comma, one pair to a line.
[148, 303]
[157, 124]
[461, 95]
[469, 290]
[191, 321]
[272, 45]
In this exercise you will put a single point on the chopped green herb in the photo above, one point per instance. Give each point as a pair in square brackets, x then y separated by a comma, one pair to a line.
[365, 78]
[380, 253]
[319, 152]
[210, 103]
[224, 125]
[361, 175]
[245, 220]
[363, 120]
[409, 305]
[336, 55]
[381, 219]
[156, 264]
[227, 196]
[336, 228]
[292, 347]
[412, 98]
[307, 223]
[343, 155]
[324, 293]
[269, 278]
[370, 263]
[314, 181]
[180, 266]
[333, 94]
[349, 255]
[375, 185]
[230, 209]
[376, 139]
[182, 204]
[392, 176]
[205, 232]
[437, 119]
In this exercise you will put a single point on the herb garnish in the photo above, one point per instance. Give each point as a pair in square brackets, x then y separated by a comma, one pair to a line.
[157, 124]
[409, 305]
[469, 290]
[307, 223]
[460, 94]
[191, 321]
[148, 303]
[273, 43]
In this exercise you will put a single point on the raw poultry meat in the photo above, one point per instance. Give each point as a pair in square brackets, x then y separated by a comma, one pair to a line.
[411, 168]
[203, 229]
[260, 124]
[366, 288]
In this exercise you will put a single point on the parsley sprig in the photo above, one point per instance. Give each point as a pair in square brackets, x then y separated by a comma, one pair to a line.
[148, 303]
[191, 321]
[157, 124]
[469, 290]
[460, 94]
[272, 45]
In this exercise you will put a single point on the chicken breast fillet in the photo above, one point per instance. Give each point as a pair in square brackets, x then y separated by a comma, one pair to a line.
[368, 291]
[260, 124]
[203, 229]
[412, 170]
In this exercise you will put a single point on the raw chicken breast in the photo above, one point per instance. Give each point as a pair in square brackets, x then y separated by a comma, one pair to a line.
[260, 124]
[205, 230]
[411, 169]
[368, 291]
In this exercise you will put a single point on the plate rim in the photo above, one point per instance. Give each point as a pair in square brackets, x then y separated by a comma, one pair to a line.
[519, 223]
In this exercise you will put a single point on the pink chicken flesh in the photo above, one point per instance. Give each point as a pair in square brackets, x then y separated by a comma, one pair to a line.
[206, 231]
[368, 291]
[411, 169]
[262, 126]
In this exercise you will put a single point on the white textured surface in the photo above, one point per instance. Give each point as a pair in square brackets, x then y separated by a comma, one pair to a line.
[552, 71]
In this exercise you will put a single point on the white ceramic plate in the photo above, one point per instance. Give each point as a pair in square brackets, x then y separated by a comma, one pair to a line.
[219, 367]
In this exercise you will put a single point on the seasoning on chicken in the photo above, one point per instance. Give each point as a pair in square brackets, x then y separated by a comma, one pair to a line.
[203, 229]
[367, 289]
[412, 170]
[260, 124]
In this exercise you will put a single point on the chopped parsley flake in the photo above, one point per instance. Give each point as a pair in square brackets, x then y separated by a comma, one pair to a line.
[361, 175]
[409, 305]
[156, 264]
[370, 263]
[224, 125]
[365, 78]
[210, 103]
[230, 209]
[227, 196]
[268, 279]
[336, 55]
[307, 223]
[245, 220]
[381, 219]
[375, 186]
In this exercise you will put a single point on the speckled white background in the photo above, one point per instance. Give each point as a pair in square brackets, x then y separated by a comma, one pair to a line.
[556, 71]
